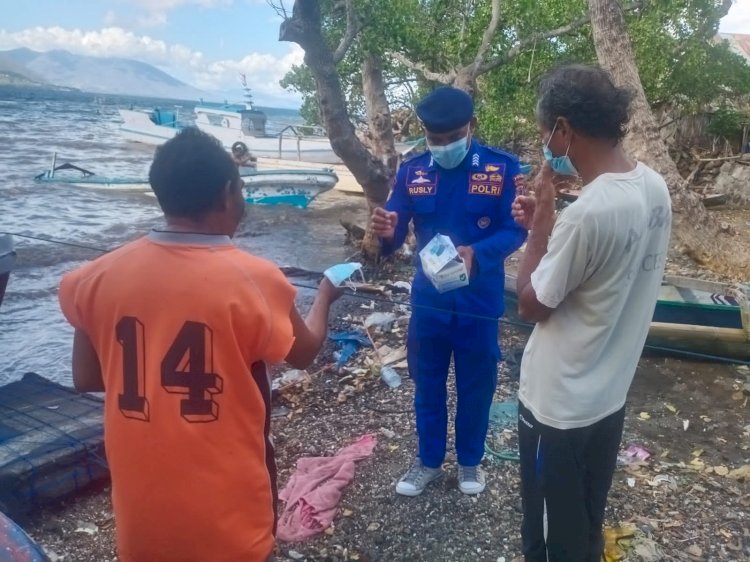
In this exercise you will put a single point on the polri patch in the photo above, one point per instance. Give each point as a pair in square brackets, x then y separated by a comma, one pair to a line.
[421, 182]
[489, 182]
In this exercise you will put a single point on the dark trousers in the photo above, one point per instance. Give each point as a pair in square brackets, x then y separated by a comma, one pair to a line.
[433, 339]
[565, 476]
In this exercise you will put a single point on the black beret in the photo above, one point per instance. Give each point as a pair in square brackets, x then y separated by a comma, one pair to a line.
[445, 109]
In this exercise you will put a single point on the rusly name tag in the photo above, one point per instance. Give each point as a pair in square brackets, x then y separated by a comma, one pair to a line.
[421, 182]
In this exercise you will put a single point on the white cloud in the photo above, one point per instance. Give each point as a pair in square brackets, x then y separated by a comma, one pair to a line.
[738, 18]
[263, 70]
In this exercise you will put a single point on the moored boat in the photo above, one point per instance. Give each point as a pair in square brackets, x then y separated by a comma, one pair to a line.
[692, 316]
[295, 186]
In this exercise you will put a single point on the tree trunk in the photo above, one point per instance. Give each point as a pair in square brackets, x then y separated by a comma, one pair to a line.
[381, 133]
[304, 28]
[693, 228]
[372, 171]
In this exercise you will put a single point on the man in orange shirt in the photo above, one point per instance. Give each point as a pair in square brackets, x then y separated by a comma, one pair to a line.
[177, 328]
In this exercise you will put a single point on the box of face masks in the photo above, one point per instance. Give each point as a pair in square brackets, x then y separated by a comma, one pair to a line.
[442, 265]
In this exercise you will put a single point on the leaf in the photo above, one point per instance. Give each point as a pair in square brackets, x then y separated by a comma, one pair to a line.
[721, 470]
[670, 408]
[373, 526]
[741, 473]
[644, 416]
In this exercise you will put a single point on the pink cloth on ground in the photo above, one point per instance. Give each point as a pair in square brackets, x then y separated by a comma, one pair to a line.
[314, 490]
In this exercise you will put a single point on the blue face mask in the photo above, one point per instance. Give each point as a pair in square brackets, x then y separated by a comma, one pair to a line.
[561, 165]
[341, 273]
[450, 155]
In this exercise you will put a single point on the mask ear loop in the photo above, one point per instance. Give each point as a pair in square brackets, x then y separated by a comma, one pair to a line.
[554, 128]
[350, 284]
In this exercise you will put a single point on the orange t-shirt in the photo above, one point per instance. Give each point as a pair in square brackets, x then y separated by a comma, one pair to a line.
[183, 325]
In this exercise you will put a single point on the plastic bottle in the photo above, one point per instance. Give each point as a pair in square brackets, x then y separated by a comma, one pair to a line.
[390, 377]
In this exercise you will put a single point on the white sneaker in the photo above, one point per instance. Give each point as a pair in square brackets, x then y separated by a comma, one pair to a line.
[417, 478]
[471, 480]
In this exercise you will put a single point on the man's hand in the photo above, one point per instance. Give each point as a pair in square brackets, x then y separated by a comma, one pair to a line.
[384, 223]
[544, 191]
[523, 209]
[467, 254]
[328, 292]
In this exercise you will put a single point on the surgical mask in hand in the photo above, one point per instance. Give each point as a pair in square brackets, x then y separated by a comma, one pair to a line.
[450, 155]
[341, 273]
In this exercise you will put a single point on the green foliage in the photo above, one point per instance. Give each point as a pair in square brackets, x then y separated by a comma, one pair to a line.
[679, 61]
[728, 123]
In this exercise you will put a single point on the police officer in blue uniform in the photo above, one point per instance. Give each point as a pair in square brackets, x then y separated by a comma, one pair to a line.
[463, 190]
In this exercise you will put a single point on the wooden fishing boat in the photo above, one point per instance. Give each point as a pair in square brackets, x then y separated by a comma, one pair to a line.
[709, 199]
[691, 316]
[293, 186]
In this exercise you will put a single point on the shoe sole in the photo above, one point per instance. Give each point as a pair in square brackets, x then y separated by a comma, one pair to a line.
[471, 493]
[414, 493]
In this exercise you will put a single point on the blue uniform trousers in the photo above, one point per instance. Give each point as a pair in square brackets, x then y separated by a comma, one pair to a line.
[472, 342]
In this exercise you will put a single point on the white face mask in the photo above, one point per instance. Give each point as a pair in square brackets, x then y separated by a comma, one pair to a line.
[450, 155]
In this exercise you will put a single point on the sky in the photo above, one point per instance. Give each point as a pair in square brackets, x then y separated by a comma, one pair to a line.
[205, 43]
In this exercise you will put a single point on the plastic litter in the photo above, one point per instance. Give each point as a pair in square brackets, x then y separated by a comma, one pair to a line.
[503, 422]
[616, 542]
[403, 285]
[382, 320]
[390, 377]
[634, 454]
[292, 376]
[349, 343]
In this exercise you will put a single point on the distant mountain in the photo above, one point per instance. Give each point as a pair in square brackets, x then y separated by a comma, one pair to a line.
[15, 73]
[94, 74]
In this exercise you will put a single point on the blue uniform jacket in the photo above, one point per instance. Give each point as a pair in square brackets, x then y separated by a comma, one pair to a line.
[471, 204]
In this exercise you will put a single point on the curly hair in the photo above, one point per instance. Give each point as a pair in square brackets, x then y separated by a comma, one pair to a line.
[189, 173]
[588, 98]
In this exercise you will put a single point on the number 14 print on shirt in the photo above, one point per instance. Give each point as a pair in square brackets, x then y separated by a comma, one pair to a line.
[185, 369]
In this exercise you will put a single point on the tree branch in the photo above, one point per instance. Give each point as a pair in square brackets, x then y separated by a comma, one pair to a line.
[517, 49]
[488, 34]
[442, 77]
[352, 29]
[278, 7]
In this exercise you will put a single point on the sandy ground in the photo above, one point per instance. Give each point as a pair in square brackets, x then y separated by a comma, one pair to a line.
[689, 501]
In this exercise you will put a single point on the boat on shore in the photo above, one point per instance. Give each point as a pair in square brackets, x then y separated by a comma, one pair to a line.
[294, 186]
[692, 316]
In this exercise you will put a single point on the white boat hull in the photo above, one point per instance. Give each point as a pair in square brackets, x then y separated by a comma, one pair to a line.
[287, 187]
[138, 127]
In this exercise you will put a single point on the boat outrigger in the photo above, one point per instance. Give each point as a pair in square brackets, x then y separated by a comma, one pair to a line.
[294, 186]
